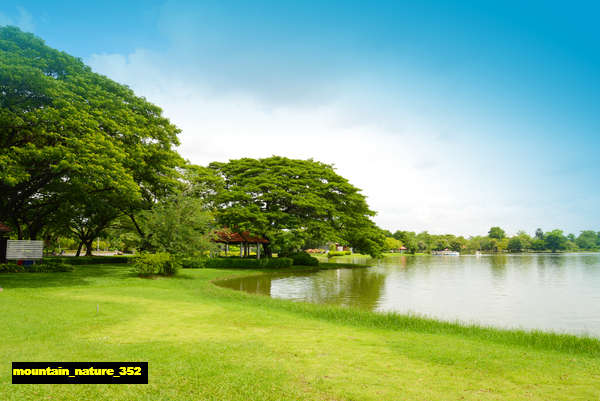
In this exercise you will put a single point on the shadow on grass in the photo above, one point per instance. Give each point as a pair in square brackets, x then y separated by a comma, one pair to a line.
[82, 275]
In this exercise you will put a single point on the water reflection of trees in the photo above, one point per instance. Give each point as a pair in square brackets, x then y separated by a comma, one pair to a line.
[361, 287]
[254, 285]
[498, 266]
[550, 260]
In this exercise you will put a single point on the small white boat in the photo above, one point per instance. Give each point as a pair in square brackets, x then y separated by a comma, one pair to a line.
[445, 253]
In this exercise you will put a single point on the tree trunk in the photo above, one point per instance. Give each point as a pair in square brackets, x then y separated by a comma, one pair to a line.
[268, 253]
[19, 229]
[79, 249]
[88, 247]
[34, 230]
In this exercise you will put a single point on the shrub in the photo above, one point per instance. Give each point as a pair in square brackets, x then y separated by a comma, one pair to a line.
[193, 263]
[331, 254]
[46, 266]
[241, 263]
[161, 263]
[304, 259]
[170, 266]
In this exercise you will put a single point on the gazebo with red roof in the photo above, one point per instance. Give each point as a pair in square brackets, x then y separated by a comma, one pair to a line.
[243, 238]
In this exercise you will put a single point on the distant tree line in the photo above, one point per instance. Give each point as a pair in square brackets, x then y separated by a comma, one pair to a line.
[495, 241]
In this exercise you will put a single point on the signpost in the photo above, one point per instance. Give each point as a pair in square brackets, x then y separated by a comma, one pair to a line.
[24, 250]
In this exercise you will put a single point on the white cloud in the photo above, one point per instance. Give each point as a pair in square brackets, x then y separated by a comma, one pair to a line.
[413, 174]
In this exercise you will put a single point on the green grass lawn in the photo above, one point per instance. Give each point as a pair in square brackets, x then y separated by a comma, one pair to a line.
[204, 342]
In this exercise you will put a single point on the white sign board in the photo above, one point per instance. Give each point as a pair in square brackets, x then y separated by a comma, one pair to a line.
[24, 250]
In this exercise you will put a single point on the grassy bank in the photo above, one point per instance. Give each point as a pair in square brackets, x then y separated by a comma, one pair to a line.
[206, 342]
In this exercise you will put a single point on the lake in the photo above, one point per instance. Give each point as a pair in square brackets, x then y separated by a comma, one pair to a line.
[558, 292]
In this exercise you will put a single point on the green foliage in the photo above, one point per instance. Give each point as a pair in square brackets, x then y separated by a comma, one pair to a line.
[408, 238]
[332, 254]
[277, 195]
[193, 263]
[587, 240]
[247, 263]
[46, 266]
[76, 149]
[392, 243]
[161, 263]
[457, 244]
[515, 245]
[303, 259]
[366, 238]
[555, 240]
[180, 226]
[497, 241]
[538, 244]
[441, 244]
[497, 233]
[287, 242]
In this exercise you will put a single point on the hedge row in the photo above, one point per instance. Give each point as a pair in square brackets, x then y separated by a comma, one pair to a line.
[193, 263]
[43, 267]
[266, 263]
[304, 259]
[338, 253]
[162, 263]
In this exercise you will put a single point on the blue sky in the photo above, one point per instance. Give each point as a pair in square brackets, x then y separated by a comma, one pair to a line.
[451, 118]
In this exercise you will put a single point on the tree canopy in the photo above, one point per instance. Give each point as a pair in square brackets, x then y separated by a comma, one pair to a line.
[277, 195]
[69, 135]
[497, 233]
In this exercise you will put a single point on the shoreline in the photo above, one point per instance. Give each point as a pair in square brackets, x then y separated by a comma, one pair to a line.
[539, 339]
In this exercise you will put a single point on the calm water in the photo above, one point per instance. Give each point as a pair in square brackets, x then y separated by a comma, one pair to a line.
[543, 291]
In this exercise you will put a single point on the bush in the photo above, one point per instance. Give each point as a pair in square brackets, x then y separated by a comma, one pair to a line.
[46, 266]
[170, 267]
[241, 263]
[193, 263]
[331, 254]
[161, 263]
[304, 259]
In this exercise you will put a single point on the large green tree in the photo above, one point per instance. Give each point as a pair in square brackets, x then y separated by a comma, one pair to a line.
[555, 240]
[515, 244]
[278, 196]
[587, 240]
[497, 233]
[67, 133]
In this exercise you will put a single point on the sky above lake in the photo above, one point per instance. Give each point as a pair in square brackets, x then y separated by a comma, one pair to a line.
[450, 117]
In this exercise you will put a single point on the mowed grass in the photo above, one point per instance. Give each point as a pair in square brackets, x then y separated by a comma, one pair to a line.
[204, 342]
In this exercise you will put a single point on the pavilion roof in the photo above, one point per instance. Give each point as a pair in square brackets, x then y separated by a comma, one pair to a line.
[229, 237]
[4, 228]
